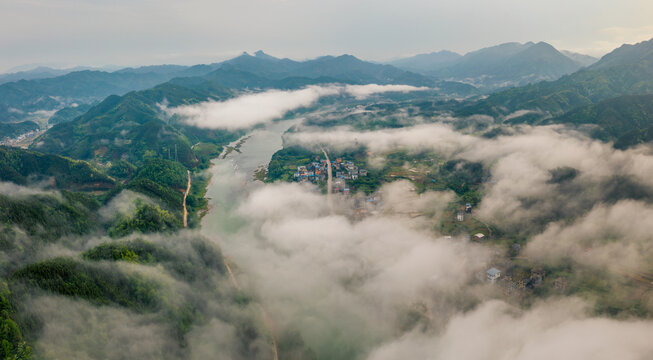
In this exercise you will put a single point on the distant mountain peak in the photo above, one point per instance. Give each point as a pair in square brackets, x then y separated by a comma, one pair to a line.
[427, 62]
[628, 54]
[262, 55]
[444, 52]
[542, 44]
[582, 59]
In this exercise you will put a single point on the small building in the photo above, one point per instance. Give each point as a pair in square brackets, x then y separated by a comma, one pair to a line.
[362, 172]
[479, 237]
[560, 283]
[515, 249]
[460, 216]
[537, 276]
[493, 274]
[468, 208]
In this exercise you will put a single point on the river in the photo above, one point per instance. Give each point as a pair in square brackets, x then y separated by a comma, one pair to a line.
[232, 178]
[295, 291]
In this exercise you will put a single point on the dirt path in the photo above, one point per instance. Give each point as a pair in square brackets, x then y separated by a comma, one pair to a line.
[185, 195]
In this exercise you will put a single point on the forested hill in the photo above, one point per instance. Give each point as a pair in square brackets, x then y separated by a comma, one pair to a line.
[626, 120]
[500, 66]
[17, 99]
[627, 70]
[132, 126]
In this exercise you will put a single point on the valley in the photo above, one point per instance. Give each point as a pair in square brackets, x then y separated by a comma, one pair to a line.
[331, 208]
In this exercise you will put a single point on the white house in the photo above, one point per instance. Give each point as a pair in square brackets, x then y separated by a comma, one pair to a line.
[493, 274]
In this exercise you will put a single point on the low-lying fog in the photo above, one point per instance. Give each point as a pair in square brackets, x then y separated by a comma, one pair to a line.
[389, 285]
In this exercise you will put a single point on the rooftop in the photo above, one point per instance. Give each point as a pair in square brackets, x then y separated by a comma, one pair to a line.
[493, 271]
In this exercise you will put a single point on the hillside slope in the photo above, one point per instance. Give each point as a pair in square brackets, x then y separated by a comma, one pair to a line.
[504, 65]
[625, 71]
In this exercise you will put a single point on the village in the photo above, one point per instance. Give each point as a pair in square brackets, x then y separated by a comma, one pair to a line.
[510, 279]
[23, 140]
[343, 170]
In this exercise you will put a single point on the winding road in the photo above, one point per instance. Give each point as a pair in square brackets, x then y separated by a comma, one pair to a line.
[186, 195]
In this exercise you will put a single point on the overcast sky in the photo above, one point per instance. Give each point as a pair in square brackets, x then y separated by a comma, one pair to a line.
[133, 32]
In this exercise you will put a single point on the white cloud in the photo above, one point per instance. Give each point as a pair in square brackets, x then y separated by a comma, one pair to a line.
[555, 330]
[248, 110]
[610, 236]
[341, 282]
[257, 108]
[363, 91]
[520, 196]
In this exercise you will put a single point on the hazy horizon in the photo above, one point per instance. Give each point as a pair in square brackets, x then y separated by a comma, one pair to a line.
[68, 33]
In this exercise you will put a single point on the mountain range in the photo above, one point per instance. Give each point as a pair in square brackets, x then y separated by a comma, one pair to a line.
[130, 125]
[627, 70]
[504, 65]
[42, 72]
[115, 167]
[613, 96]
[20, 99]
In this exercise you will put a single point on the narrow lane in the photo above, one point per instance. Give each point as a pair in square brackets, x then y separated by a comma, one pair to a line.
[186, 195]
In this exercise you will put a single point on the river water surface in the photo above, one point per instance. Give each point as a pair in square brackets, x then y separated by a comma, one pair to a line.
[232, 178]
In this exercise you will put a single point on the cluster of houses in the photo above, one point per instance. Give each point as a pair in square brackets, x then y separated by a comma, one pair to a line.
[341, 170]
[517, 284]
[22, 140]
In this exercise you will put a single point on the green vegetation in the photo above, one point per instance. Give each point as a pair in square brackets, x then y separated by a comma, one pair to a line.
[612, 295]
[131, 142]
[49, 217]
[508, 64]
[11, 130]
[147, 219]
[80, 86]
[134, 127]
[625, 71]
[170, 197]
[12, 345]
[284, 162]
[27, 167]
[189, 265]
[196, 202]
[163, 172]
[426, 170]
[137, 251]
[68, 113]
[118, 128]
[626, 120]
[101, 285]
[121, 169]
